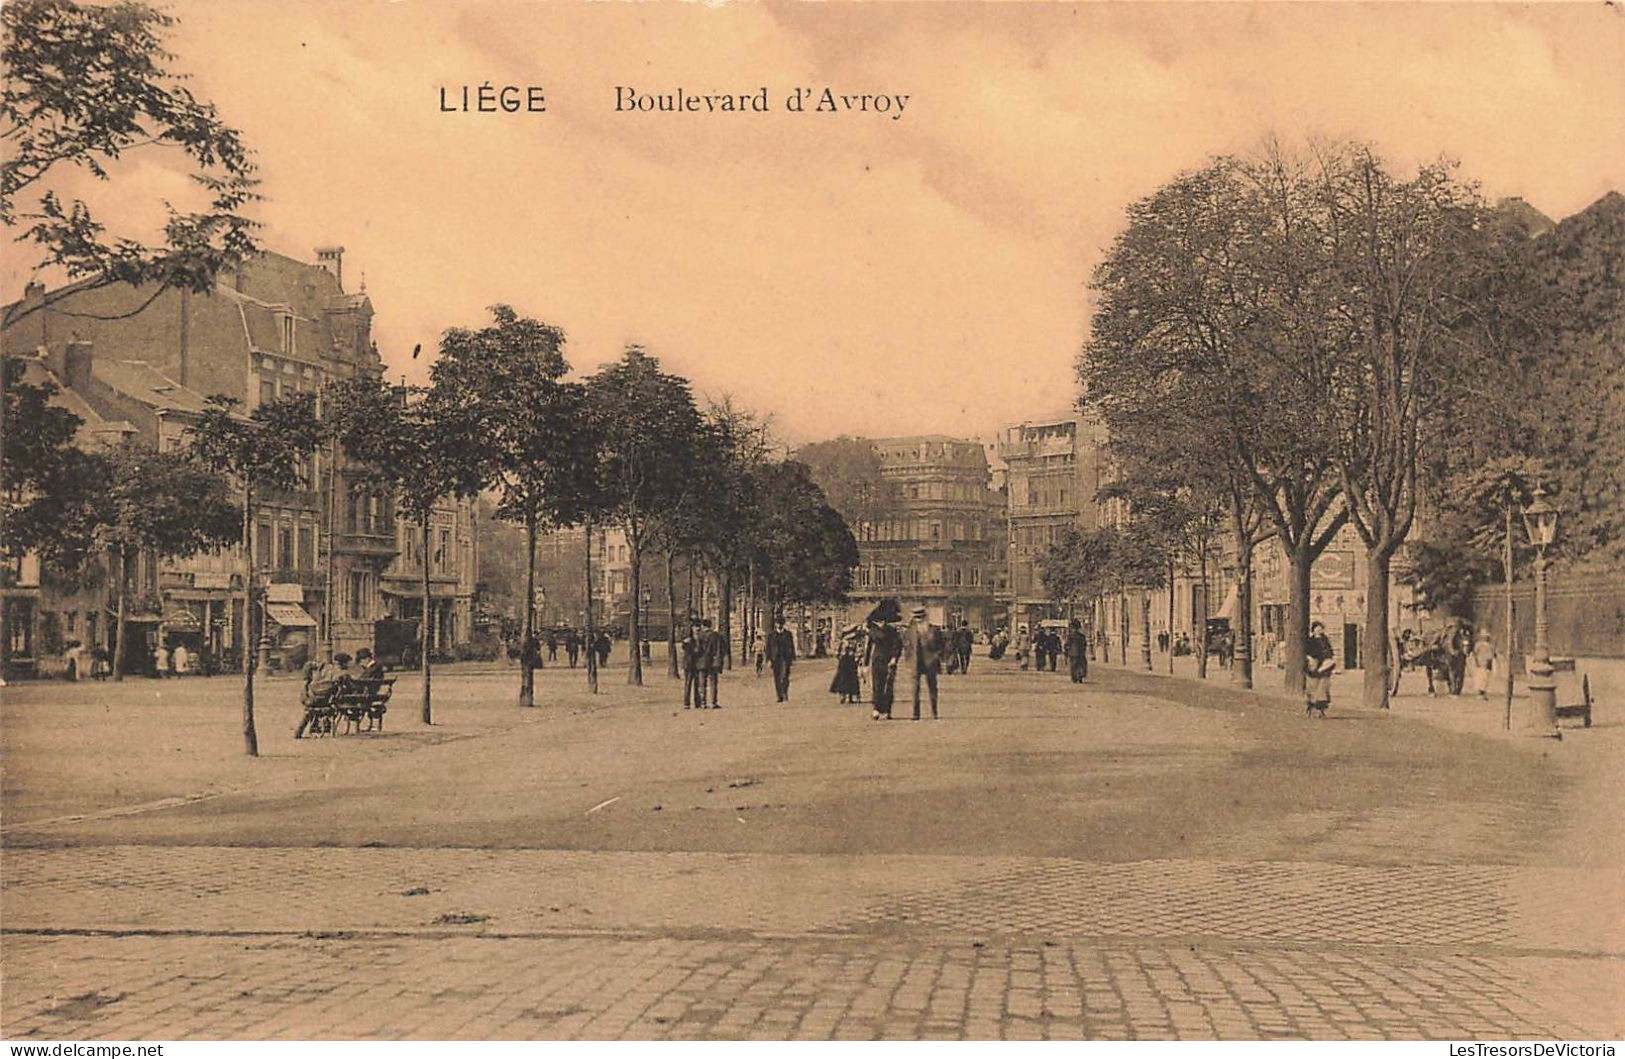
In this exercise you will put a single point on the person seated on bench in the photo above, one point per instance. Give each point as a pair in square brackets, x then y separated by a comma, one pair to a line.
[367, 667]
[326, 681]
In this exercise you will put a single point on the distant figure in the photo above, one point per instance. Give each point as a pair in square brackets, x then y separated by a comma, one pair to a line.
[321, 684]
[73, 656]
[709, 654]
[181, 660]
[846, 683]
[690, 652]
[160, 660]
[1483, 663]
[552, 645]
[1458, 645]
[884, 648]
[1318, 666]
[781, 655]
[605, 645]
[1077, 652]
[964, 641]
[101, 666]
[572, 646]
[758, 651]
[923, 648]
[367, 665]
[530, 655]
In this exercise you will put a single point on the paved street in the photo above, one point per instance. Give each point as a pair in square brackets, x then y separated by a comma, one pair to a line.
[1138, 858]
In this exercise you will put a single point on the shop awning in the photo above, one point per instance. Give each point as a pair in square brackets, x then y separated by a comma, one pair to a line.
[183, 619]
[284, 593]
[1228, 611]
[289, 615]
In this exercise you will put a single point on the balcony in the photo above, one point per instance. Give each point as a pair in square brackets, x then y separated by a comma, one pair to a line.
[374, 544]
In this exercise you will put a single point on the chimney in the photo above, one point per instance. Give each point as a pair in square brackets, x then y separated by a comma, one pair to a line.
[331, 258]
[77, 363]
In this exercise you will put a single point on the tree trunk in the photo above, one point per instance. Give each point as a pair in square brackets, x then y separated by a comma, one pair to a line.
[428, 627]
[592, 652]
[671, 618]
[1122, 625]
[119, 648]
[1297, 615]
[251, 742]
[527, 675]
[725, 615]
[1171, 576]
[1145, 628]
[1374, 662]
[634, 623]
[1506, 657]
[1242, 672]
[1201, 624]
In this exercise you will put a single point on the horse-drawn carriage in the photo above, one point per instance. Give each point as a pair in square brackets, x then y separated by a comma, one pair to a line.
[1439, 649]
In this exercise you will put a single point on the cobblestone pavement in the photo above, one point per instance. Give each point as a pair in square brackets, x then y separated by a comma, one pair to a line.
[1051, 862]
[508, 943]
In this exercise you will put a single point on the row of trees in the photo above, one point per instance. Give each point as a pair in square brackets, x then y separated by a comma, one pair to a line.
[626, 447]
[1290, 343]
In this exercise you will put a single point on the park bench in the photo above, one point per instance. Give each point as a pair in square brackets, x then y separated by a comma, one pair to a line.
[358, 700]
[1577, 700]
[351, 702]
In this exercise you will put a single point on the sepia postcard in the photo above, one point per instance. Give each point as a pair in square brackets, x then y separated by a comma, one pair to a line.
[812, 521]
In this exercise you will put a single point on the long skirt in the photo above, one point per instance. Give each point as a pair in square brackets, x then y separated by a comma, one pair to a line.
[846, 678]
[1318, 688]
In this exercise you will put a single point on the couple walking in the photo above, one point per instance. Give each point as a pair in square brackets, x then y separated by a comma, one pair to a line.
[919, 647]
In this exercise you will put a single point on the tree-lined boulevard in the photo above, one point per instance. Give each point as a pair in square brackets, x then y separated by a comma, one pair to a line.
[1355, 879]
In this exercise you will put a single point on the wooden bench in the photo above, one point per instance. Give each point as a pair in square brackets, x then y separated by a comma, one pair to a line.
[368, 700]
[352, 702]
[1578, 702]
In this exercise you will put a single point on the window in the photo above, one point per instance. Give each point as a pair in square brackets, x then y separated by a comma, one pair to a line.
[442, 555]
[936, 531]
[262, 545]
[267, 391]
[357, 595]
[286, 321]
[284, 548]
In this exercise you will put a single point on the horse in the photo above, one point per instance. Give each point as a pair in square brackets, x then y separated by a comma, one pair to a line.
[1439, 656]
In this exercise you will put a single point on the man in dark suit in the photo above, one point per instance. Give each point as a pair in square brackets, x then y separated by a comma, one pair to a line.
[709, 651]
[923, 647]
[1077, 652]
[964, 639]
[690, 648]
[781, 652]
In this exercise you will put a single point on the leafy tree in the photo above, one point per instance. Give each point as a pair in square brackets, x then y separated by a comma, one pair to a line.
[424, 445]
[1427, 301]
[44, 486]
[1201, 337]
[804, 551]
[86, 86]
[166, 504]
[262, 451]
[648, 424]
[849, 472]
[509, 374]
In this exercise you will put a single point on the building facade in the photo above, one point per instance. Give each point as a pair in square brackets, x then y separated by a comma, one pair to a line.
[944, 547]
[1054, 467]
[330, 550]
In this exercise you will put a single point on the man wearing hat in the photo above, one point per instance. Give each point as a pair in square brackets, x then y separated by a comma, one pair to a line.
[781, 652]
[708, 655]
[923, 647]
[691, 664]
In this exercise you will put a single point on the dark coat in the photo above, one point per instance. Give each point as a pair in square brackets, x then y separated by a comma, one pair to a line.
[781, 646]
[923, 647]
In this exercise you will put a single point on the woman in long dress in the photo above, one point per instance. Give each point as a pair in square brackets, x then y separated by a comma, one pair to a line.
[846, 683]
[1318, 666]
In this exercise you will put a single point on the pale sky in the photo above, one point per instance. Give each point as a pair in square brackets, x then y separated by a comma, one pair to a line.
[845, 273]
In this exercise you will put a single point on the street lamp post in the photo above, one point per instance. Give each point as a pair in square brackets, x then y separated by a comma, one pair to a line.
[1540, 522]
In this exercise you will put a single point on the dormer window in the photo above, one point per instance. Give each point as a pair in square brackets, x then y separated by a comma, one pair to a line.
[285, 327]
